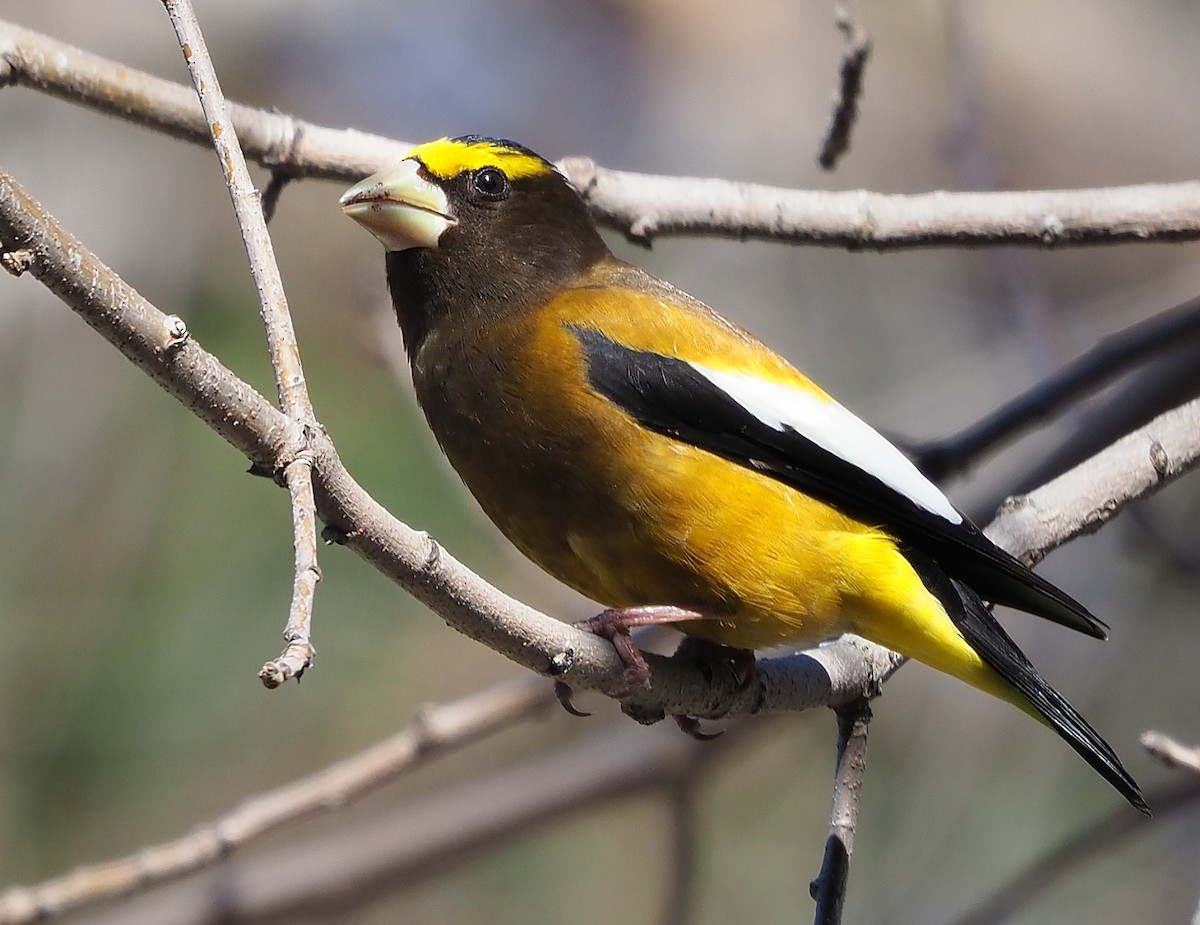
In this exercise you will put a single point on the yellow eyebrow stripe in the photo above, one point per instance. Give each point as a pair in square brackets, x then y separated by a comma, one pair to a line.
[448, 157]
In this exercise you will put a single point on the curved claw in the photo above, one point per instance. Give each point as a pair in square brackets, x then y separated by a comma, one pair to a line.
[691, 726]
[562, 690]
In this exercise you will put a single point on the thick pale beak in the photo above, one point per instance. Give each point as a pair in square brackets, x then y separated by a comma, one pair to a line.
[400, 207]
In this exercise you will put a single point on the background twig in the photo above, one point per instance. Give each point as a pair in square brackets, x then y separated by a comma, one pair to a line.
[434, 732]
[1051, 867]
[640, 205]
[333, 873]
[856, 49]
[1112, 357]
[1172, 753]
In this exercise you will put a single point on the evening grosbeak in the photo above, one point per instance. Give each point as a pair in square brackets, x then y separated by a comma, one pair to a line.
[661, 460]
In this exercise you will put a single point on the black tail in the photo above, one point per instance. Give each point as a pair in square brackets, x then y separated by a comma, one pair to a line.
[987, 637]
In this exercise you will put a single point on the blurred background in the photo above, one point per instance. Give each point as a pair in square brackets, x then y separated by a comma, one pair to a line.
[144, 578]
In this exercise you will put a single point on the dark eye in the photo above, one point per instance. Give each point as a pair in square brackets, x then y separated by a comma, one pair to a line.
[490, 183]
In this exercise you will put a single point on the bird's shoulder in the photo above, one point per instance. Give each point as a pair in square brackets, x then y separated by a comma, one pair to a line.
[641, 312]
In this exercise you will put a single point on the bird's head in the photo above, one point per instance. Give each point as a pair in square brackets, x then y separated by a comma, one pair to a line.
[474, 224]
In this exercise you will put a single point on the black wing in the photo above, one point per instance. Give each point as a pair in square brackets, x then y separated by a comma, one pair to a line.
[671, 397]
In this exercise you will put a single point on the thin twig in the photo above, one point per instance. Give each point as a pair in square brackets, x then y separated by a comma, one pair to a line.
[281, 339]
[639, 205]
[1127, 405]
[1112, 357]
[270, 195]
[281, 335]
[856, 49]
[829, 888]
[298, 653]
[436, 731]
[1172, 753]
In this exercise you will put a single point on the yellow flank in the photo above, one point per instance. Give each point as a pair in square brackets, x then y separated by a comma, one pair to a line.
[448, 157]
[892, 606]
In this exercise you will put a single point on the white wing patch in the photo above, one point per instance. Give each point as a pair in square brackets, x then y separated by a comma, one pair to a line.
[833, 428]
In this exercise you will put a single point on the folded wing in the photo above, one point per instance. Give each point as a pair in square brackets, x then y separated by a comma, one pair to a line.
[818, 447]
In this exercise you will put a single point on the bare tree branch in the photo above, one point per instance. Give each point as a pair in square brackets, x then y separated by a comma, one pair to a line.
[829, 888]
[1134, 467]
[337, 872]
[298, 652]
[644, 207]
[434, 732]
[640, 205]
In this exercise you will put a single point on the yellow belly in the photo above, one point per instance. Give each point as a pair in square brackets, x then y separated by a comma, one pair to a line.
[665, 523]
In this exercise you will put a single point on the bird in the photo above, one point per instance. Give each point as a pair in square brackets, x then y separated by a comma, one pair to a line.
[667, 464]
